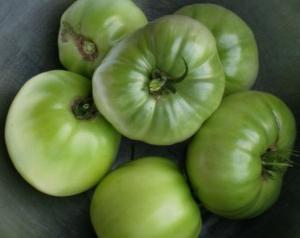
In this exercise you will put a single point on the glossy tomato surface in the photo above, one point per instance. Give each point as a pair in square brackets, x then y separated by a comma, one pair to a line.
[145, 198]
[160, 84]
[235, 41]
[28, 46]
[236, 162]
[90, 28]
[55, 137]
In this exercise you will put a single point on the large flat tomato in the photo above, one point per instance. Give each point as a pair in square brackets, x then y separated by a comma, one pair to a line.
[235, 41]
[55, 137]
[237, 160]
[90, 28]
[160, 84]
[145, 198]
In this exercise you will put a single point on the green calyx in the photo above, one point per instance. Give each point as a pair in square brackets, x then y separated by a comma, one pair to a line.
[274, 160]
[86, 47]
[84, 108]
[162, 84]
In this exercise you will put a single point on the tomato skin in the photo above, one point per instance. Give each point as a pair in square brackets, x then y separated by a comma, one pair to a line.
[90, 28]
[145, 198]
[235, 41]
[229, 161]
[54, 151]
[123, 82]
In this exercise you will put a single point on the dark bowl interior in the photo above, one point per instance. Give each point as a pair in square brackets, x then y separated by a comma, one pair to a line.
[28, 32]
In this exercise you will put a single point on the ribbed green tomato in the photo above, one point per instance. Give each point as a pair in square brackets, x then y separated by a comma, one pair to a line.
[146, 198]
[161, 83]
[56, 138]
[235, 41]
[237, 160]
[90, 28]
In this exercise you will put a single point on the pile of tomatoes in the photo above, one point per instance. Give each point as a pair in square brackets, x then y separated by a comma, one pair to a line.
[162, 82]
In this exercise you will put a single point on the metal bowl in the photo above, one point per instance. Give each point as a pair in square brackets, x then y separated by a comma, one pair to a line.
[28, 33]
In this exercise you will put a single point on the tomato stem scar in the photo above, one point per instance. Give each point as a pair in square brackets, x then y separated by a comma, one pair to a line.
[86, 47]
[84, 108]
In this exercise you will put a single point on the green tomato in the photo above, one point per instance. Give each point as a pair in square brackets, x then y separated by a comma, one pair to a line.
[90, 28]
[236, 162]
[145, 198]
[56, 138]
[235, 41]
[161, 83]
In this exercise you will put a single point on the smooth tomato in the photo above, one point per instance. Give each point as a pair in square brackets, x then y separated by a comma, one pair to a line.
[90, 28]
[145, 198]
[56, 138]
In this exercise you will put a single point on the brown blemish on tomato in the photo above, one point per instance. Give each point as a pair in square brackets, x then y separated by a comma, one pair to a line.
[86, 47]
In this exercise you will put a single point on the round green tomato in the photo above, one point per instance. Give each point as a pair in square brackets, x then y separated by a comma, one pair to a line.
[161, 83]
[145, 198]
[56, 138]
[237, 160]
[90, 28]
[235, 41]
